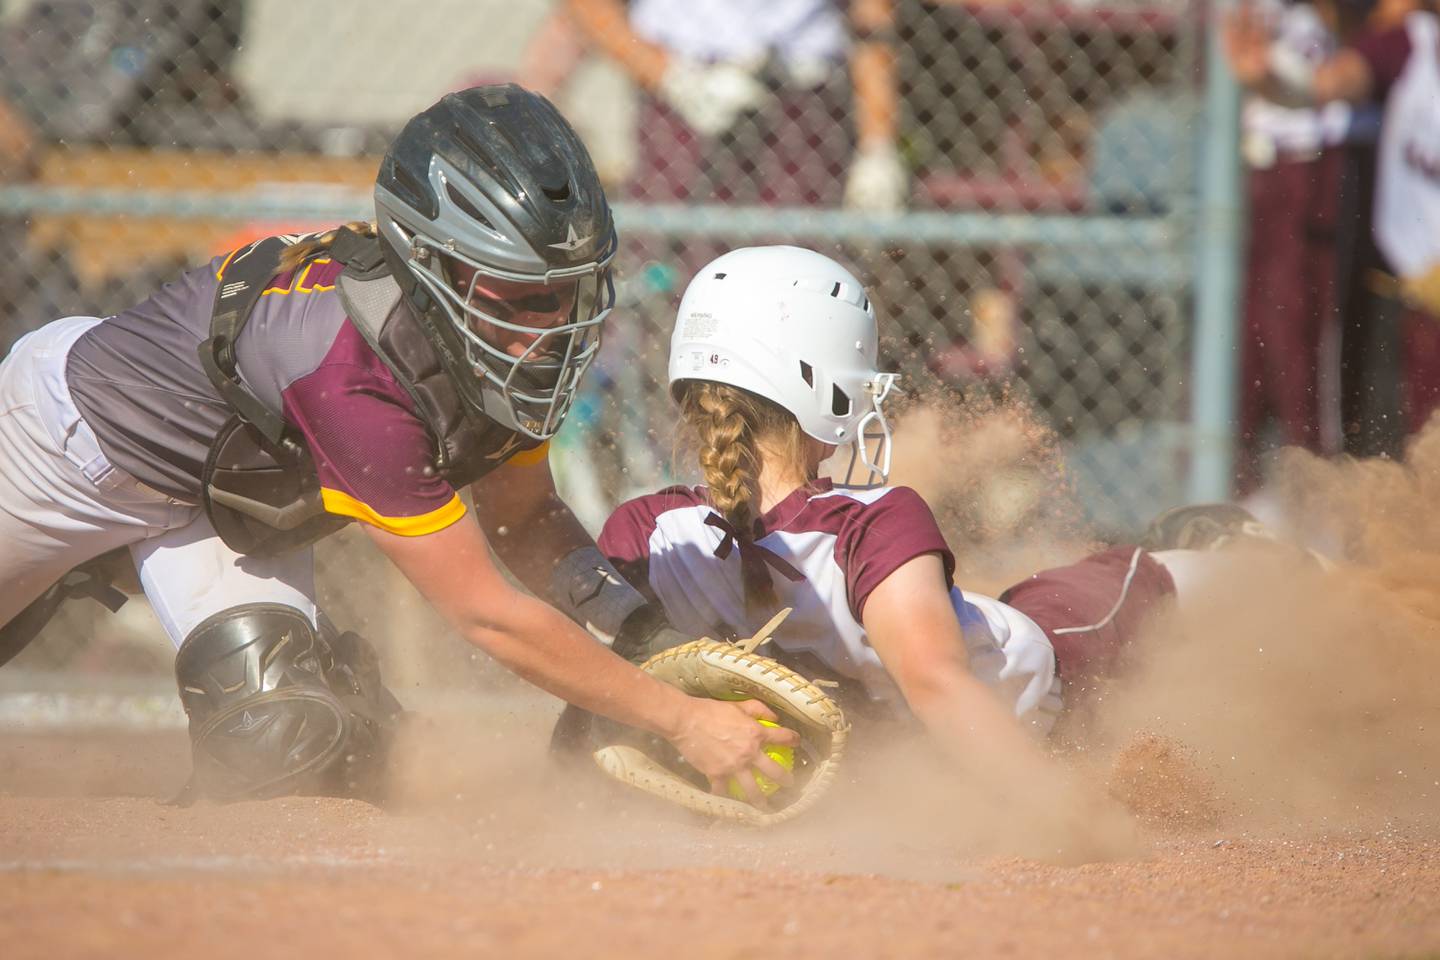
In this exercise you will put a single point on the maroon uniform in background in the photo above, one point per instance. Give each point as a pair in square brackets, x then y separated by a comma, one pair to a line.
[1289, 293]
[1388, 54]
[1289, 300]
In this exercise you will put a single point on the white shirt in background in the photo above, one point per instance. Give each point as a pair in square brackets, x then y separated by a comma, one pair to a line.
[711, 31]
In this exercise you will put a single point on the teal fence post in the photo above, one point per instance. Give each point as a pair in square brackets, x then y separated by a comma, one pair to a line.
[1215, 355]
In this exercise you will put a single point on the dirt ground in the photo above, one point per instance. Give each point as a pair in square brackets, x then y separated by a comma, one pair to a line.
[1271, 758]
[497, 856]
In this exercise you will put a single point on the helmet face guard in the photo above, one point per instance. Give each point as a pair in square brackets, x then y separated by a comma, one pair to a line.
[871, 447]
[537, 384]
[497, 227]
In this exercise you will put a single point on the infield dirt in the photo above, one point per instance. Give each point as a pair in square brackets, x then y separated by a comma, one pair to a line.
[1275, 747]
[469, 868]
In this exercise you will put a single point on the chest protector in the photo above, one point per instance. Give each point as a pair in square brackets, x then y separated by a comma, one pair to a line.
[259, 485]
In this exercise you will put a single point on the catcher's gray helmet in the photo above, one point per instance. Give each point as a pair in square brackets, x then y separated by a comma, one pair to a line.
[498, 229]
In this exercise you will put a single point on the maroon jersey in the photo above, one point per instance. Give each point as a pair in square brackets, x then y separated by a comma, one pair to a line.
[137, 380]
[1386, 52]
[825, 552]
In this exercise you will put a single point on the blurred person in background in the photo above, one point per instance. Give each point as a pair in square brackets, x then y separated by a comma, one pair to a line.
[149, 73]
[1393, 60]
[1289, 302]
[260, 402]
[749, 102]
[782, 102]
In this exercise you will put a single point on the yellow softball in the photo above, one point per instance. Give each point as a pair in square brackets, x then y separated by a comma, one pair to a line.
[781, 754]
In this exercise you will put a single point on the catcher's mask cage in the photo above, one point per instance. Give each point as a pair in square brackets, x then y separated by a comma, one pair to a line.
[490, 201]
[795, 327]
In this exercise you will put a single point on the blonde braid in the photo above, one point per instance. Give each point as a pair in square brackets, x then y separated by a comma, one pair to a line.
[728, 458]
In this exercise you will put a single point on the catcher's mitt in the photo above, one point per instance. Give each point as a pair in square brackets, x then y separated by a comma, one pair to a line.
[734, 671]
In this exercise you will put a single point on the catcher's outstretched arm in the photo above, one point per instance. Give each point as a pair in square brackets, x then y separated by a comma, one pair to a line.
[540, 541]
[526, 521]
[453, 569]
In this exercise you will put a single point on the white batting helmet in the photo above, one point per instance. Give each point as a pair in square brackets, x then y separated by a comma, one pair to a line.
[795, 327]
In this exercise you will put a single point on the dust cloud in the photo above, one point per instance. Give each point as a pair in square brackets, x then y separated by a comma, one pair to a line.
[1310, 695]
[898, 809]
[1278, 696]
[993, 473]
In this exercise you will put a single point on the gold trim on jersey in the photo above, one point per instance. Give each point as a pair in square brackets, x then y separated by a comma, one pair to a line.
[220, 273]
[528, 458]
[341, 503]
[298, 284]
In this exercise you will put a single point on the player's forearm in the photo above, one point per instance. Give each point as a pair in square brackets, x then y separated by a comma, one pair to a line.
[606, 27]
[965, 717]
[541, 645]
[530, 545]
[545, 547]
[872, 67]
[552, 55]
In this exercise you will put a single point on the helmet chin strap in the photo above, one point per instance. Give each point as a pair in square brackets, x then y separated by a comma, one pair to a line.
[872, 426]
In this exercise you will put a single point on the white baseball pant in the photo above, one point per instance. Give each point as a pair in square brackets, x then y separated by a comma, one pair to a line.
[63, 502]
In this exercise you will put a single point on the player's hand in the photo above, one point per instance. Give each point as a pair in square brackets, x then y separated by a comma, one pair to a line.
[1247, 45]
[877, 181]
[721, 739]
[711, 98]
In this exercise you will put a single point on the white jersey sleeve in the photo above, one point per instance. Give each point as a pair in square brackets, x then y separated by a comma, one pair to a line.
[825, 552]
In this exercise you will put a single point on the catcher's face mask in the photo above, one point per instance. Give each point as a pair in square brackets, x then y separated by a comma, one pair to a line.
[490, 202]
[530, 336]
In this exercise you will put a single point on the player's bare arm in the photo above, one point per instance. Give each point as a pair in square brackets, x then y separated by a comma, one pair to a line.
[911, 623]
[912, 626]
[605, 25]
[872, 65]
[527, 523]
[452, 568]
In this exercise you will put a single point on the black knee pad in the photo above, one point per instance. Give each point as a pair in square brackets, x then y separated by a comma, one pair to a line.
[276, 708]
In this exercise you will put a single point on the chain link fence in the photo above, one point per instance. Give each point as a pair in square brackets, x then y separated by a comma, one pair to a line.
[1041, 245]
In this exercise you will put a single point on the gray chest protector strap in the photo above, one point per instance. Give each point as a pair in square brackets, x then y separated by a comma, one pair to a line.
[468, 444]
[258, 485]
